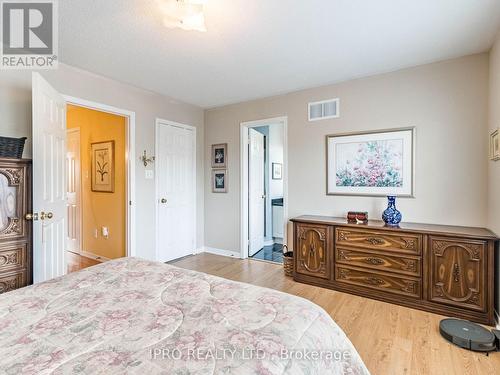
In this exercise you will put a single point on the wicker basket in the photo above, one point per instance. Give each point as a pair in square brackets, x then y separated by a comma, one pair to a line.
[12, 147]
[287, 261]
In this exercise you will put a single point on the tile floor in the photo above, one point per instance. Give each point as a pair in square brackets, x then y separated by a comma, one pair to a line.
[272, 253]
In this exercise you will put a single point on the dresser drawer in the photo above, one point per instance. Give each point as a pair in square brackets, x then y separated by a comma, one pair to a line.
[12, 257]
[405, 265]
[12, 281]
[382, 282]
[407, 243]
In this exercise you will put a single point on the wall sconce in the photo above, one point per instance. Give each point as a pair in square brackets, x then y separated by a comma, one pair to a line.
[146, 160]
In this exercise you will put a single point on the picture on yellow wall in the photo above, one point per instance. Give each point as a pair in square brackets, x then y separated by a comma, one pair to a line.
[103, 166]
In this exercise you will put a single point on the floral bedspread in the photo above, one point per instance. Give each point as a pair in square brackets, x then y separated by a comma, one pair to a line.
[131, 316]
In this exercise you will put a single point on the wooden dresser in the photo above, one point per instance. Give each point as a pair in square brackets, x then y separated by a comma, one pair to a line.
[447, 270]
[15, 230]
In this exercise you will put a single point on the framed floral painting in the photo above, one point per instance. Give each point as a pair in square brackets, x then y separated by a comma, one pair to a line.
[377, 163]
[103, 166]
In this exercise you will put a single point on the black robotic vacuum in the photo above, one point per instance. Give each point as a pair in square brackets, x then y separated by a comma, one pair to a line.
[469, 335]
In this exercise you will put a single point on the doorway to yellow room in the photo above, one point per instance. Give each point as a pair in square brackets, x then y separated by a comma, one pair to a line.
[96, 187]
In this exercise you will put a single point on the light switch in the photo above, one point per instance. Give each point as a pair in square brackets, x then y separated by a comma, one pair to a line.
[149, 174]
[105, 232]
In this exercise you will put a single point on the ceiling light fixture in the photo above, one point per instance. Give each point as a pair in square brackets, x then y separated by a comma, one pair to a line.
[184, 14]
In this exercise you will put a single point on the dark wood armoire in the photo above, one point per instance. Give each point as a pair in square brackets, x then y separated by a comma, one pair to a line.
[15, 230]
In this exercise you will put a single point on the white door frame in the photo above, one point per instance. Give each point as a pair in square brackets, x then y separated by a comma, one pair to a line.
[130, 249]
[160, 122]
[244, 126]
[79, 192]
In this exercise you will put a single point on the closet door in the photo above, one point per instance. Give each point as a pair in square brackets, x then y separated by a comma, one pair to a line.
[175, 190]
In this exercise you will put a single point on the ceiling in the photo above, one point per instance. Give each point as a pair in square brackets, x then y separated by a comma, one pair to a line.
[260, 48]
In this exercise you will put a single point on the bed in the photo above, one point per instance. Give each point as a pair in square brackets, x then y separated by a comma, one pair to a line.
[140, 317]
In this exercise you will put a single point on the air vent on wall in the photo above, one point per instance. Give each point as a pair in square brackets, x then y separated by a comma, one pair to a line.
[324, 109]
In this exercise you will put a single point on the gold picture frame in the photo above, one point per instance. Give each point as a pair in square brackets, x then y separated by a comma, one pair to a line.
[103, 166]
[495, 145]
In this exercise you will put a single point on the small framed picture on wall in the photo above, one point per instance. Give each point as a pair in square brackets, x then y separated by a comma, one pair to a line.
[103, 167]
[495, 146]
[277, 171]
[219, 155]
[219, 181]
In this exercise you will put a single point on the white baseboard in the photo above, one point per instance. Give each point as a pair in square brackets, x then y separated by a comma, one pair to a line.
[90, 255]
[226, 253]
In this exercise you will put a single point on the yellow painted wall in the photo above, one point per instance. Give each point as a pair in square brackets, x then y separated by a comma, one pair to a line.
[101, 209]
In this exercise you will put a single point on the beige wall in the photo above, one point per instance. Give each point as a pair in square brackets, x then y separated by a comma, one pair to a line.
[15, 120]
[494, 167]
[446, 102]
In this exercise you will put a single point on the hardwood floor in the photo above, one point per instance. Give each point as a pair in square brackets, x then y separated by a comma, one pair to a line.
[392, 340]
[76, 262]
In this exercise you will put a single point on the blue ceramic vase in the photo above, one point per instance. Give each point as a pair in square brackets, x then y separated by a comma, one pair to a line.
[391, 215]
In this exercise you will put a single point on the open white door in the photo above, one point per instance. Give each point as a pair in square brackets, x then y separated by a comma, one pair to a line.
[176, 191]
[49, 181]
[256, 195]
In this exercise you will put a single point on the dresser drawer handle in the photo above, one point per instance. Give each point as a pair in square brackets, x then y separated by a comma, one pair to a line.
[374, 261]
[375, 240]
[456, 272]
[312, 249]
[343, 255]
[374, 281]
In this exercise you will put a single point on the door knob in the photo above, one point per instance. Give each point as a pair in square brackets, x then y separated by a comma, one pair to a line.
[48, 215]
[163, 200]
[31, 217]
[264, 196]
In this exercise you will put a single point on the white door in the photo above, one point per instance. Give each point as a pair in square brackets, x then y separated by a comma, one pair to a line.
[74, 193]
[175, 191]
[49, 181]
[256, 195]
